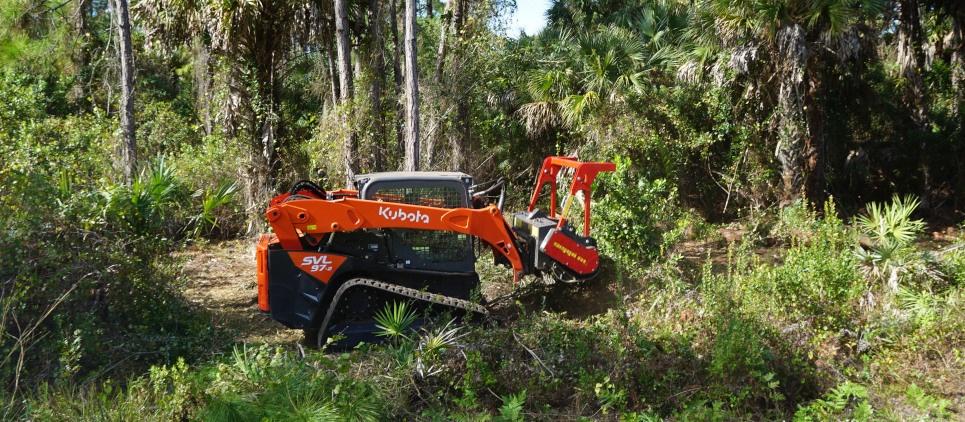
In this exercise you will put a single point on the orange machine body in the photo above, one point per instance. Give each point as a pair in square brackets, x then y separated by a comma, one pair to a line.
[332, 253]
[261, 259]
[584, 173]
[308, 219]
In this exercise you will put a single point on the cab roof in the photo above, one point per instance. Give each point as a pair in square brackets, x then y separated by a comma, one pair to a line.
[413, 176]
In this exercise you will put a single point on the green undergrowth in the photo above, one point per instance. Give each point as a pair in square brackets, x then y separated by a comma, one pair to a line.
[89, 290]
[810, 337]
[821, 334]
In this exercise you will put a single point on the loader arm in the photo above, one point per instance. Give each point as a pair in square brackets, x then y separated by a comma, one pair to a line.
[584, 173]
[313, 217]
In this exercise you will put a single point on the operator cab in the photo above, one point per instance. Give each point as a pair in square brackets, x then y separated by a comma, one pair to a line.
[423, 249]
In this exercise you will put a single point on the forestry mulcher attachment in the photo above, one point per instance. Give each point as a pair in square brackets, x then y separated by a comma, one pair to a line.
[336, 258]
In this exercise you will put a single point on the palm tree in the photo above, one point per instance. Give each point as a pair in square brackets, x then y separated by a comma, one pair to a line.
[253, 38]
[592, 71]
[788, 40]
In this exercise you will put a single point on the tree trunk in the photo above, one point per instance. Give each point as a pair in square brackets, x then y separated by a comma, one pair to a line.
[332, 70]
[957, 47]
[203, 72]
[80, 56]
[378, 67]
[429, 8]
[460, 147]
[441, 52]
[349, 148]
[397, 75]
[791, 120]
[129, 147]
[815, 150]
[411, 90]
[442, 94]
[911, 59]
[267, 57]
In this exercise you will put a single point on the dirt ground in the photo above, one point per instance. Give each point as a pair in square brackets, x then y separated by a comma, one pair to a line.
[220, 277]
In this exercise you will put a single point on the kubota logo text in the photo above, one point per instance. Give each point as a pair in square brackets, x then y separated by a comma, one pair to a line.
[399, 214]
[317, 263]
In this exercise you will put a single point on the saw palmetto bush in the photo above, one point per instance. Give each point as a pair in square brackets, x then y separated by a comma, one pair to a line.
[395, 321]
[149, 205]
[217, 207]
[433, 343]
[887, 252]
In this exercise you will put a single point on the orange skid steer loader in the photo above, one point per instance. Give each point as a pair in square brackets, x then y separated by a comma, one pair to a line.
[336, 258]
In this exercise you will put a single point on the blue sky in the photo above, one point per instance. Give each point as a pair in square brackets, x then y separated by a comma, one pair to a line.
[530, 17]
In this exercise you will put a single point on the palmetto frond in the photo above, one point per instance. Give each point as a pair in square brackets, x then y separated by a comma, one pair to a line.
[605, 66]
[395, 320]
[889, 254]
[892, 223]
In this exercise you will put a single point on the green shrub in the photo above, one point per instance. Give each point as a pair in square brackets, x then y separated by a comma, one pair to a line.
[88, 285]
[634, 220]
[952, 263]
[817, 281]
[258, 384]
[847, 401]
[214, 171]
[162, 131]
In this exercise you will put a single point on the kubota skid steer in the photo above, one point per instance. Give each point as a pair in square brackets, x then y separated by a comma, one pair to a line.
[337, 257]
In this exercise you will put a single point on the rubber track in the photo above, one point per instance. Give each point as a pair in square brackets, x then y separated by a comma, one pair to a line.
[398, 290]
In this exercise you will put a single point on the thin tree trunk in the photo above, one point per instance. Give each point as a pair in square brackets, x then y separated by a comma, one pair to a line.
[397, 75]
[429, 8]
[442, 95]
[957, 47]
[202, 83]
[441, 52]
[333, 72]
[349, 148]
[411, 90]
[80, 56]
[911, 59]
[378, 66]
[460, 147]
[129, 147]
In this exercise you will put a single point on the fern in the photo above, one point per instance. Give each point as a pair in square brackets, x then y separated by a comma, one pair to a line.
[847, 401]
[512, 408]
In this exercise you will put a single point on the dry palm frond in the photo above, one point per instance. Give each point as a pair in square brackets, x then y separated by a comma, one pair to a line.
[539, 117]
